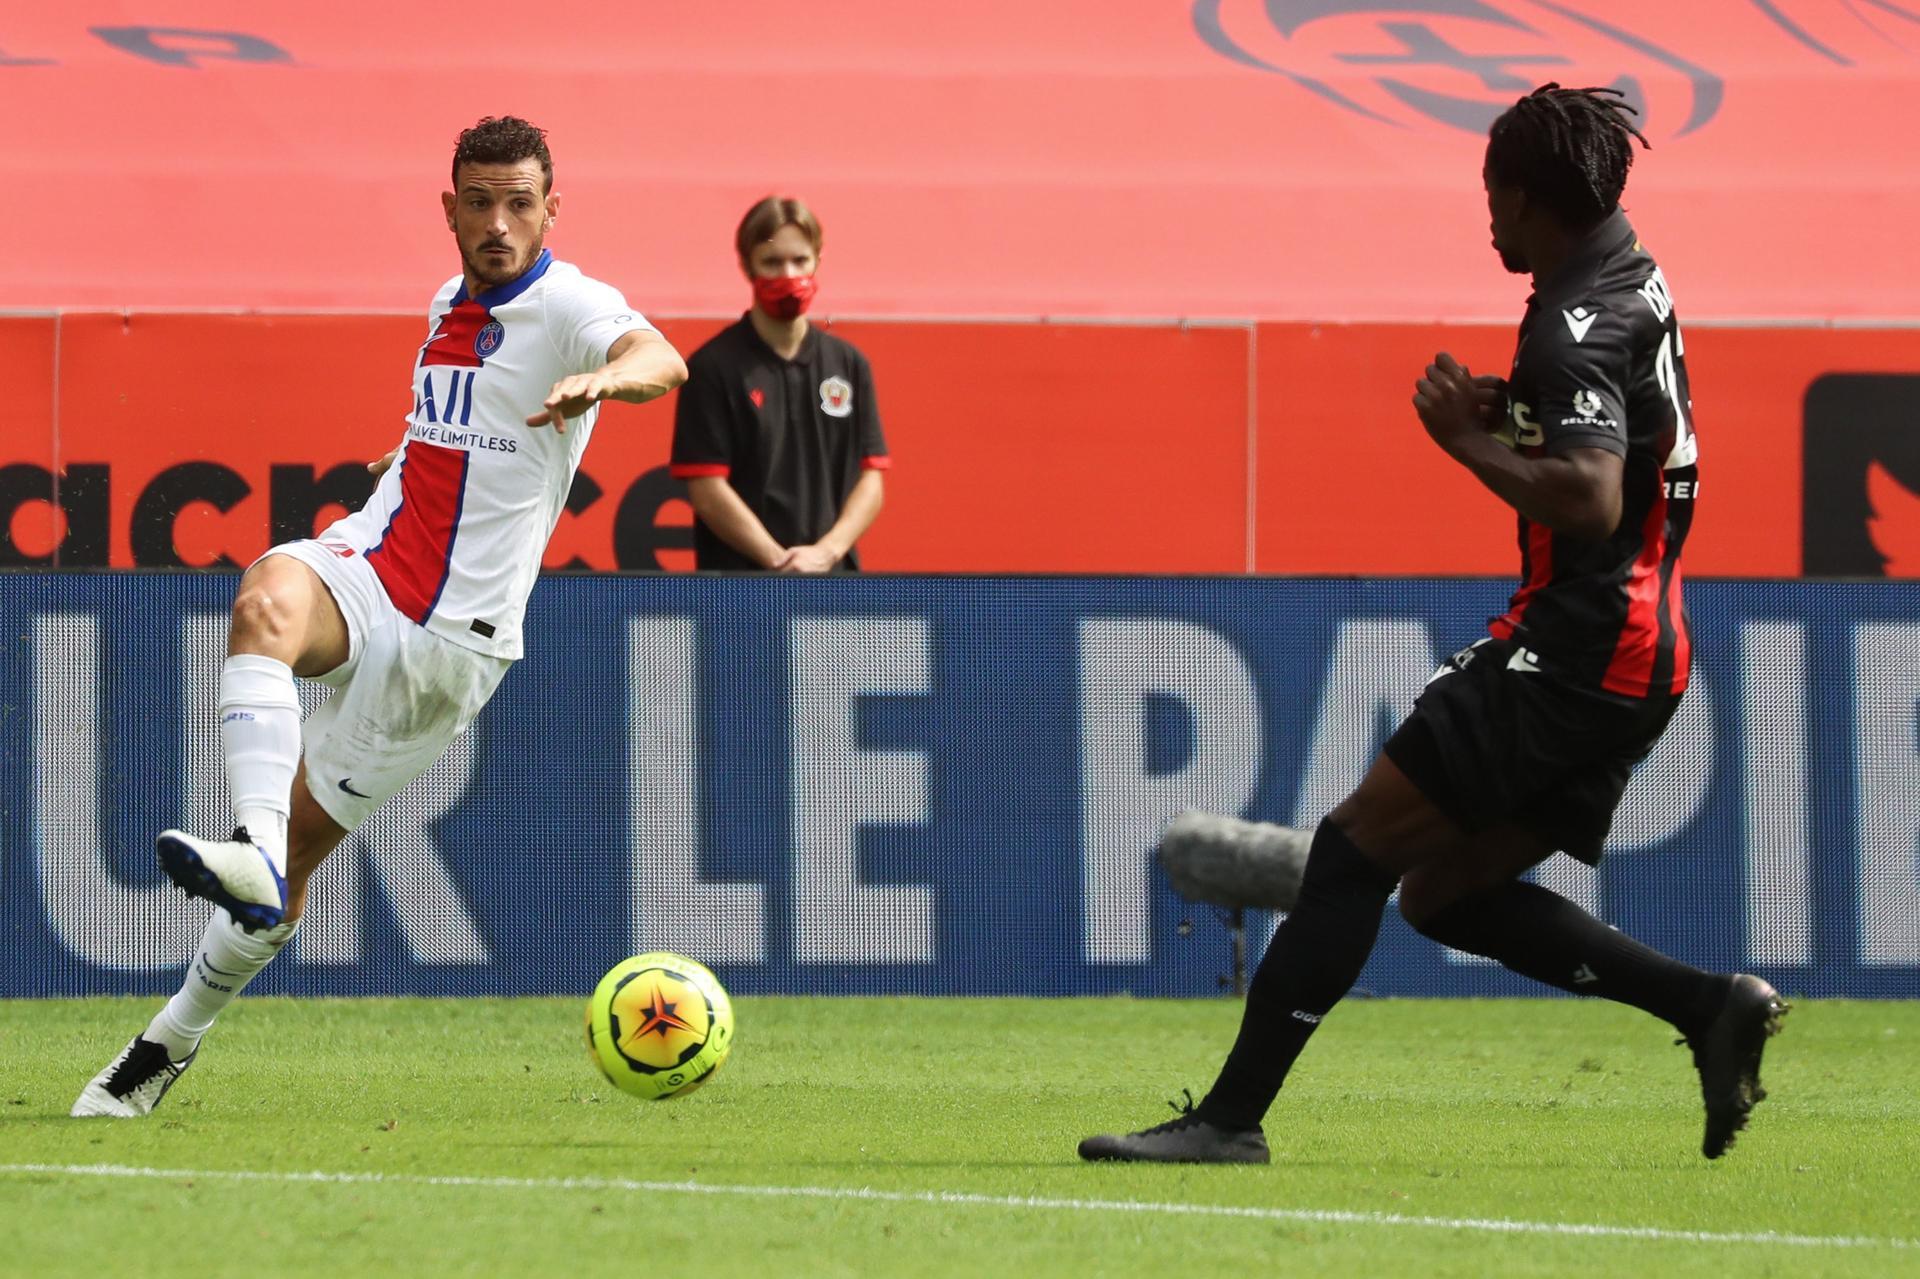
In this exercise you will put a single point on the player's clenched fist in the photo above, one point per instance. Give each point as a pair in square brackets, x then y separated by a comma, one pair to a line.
[570, 397]
[1451, 401]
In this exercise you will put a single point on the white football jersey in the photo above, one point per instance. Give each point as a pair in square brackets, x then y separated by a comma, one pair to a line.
[457, 527]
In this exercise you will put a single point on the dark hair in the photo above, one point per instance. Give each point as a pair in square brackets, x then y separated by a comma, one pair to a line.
[1569, 149]
[503, 139]
[766, 218]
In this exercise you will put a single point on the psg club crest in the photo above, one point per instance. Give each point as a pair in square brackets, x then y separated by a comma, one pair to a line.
[464, 338]
[836, 397]
[487, 340]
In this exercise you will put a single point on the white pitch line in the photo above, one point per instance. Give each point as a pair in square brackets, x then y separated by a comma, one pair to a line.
[942, 1198]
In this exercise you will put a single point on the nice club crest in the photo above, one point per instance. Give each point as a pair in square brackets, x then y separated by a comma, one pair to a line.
[1458, 64]
[836, 397]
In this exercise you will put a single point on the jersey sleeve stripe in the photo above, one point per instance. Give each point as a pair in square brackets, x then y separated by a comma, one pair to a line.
[698, 470]
[415, 557]
[877, 462]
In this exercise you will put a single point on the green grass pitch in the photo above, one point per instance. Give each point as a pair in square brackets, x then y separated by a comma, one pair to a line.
[936, 1136]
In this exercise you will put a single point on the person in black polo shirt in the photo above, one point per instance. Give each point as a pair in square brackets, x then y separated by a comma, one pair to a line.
[1521, 745]
[776, 431]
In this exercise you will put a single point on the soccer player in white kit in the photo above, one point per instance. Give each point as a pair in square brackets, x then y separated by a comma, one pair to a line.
[410, 608]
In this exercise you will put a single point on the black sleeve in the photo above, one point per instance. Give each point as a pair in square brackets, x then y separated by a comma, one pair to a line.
[702, 444]
[1575, 364]
[873, 445]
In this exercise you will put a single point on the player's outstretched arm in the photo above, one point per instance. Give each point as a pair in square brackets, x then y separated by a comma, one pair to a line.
[641, 366]
[1577, 493]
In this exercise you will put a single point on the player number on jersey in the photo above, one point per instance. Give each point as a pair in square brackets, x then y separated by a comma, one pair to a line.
[1684, 452]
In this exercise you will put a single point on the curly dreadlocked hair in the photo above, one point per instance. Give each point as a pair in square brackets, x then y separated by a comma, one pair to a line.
[1569, 149]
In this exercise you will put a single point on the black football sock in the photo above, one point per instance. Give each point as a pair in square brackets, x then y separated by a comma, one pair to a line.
[1540, 934]
[1314, 959]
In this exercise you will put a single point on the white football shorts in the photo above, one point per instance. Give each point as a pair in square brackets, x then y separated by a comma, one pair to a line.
[399, 699]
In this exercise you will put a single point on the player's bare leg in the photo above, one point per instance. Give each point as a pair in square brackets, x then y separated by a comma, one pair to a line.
[284, 621]
[311, 835]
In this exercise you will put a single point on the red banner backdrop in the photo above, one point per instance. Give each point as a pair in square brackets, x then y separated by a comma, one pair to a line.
[158, 439]
[1348, 482]
[1283, 161]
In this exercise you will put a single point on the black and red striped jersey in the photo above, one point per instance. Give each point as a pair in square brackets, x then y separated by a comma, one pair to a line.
[1600, 364]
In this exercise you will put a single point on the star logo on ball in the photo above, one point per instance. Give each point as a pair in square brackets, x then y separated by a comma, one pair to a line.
[660, 1017]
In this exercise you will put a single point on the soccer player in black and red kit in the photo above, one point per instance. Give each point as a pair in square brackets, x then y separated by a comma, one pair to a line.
[1520, 745]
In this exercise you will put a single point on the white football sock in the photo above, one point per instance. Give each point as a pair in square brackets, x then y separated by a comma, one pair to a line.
[225, 962]
[260, 733]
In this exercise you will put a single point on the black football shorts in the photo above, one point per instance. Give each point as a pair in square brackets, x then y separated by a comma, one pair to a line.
[1493, 742]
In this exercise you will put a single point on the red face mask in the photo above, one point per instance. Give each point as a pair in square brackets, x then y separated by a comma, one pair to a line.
[784, 297]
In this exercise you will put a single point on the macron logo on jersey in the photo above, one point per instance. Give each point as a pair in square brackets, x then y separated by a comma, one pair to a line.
[464, 338]
[1579, 320]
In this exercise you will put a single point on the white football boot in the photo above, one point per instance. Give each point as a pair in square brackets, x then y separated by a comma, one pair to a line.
[236, 875]
[133, 1083]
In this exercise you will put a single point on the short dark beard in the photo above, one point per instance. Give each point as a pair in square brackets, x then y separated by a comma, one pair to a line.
[476, 267]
